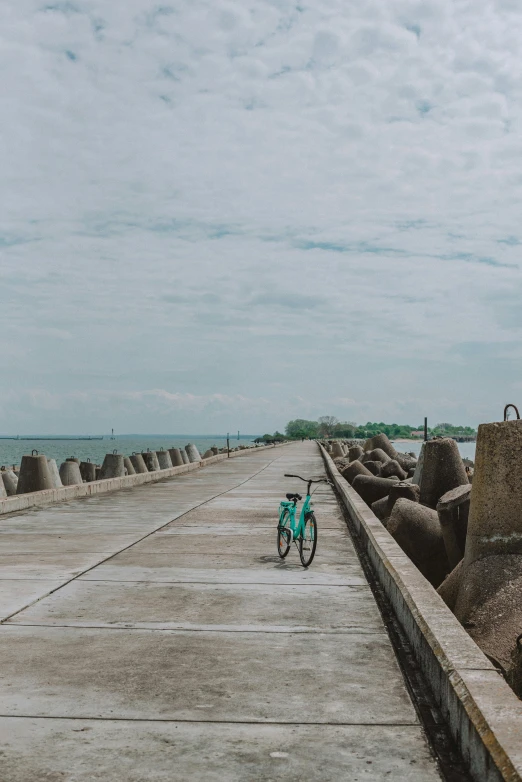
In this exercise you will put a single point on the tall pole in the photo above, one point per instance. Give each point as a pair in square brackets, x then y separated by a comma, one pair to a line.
[228, 445]
[238, 434]
[425, 430]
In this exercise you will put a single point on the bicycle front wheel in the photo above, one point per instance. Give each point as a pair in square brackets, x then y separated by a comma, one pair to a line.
[308, 541]
[284, 536]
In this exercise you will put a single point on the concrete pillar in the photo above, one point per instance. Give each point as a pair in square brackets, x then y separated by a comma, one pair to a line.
[453, 512]
[442, 469]
[138, 463]
[488, 602]
[192, 453]
[151, 460]
[175, 457]
[128, 465]
[164, 460]
[185, 457]
[10, 482]
[417, 531]
[88, 471]
[112, 467]
[55, 474]
[353, 470]
[34, 474]
[370, 488]
[70, 473]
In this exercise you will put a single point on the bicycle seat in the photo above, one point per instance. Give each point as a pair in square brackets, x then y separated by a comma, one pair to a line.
[292, 497]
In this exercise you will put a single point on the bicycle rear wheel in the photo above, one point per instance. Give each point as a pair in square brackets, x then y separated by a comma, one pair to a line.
[284, 535]
[308, 541]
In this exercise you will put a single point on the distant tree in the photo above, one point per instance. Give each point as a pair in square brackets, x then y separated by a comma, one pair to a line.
[327, 424]
[302, 428]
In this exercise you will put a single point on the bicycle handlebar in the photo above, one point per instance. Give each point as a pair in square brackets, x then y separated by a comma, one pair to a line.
[308, 480]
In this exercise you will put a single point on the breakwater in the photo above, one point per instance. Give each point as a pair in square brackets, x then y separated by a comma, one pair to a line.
[445, 544]
[40, 482]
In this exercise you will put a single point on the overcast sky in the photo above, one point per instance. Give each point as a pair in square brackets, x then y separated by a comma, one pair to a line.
[222, 215]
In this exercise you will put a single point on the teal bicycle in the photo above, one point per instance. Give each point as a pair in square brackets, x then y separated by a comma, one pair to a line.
[303, 532]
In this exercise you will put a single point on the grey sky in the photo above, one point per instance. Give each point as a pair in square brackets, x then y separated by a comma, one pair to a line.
[222, 215]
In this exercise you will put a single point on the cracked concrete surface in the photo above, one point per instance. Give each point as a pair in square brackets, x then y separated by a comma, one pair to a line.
[154, 634]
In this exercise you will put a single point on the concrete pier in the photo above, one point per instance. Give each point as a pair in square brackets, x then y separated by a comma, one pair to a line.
[155, 634]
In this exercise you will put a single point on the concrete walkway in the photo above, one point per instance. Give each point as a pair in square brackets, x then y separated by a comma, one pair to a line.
[177, 646]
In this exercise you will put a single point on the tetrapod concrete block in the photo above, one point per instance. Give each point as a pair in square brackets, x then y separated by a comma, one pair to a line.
[392, 467]
[192, 453]
[417, 531]
[175, 457]
[337, 451]
[112, 467]
[440, 470]
[10, 482]
[70, 473]
[185, 457]
[488, 602]
[34, 474]
[55, 473]
[129, 467]
[151, 460]
[370, 488]
[208, 454]
[453, 512]
[138, 463]
[355, 468]
[164, 460]
[355, 452]
[88, 471]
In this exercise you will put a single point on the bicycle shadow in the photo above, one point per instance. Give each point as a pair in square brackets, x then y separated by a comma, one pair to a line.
[280, 564]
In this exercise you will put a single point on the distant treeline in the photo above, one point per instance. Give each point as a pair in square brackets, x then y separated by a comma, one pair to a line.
[329, 426]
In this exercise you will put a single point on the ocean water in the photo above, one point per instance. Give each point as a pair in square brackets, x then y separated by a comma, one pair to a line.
[467, 450]
[11, 451]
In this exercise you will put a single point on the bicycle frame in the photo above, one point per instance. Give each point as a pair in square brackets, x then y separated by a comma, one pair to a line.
[296, 527]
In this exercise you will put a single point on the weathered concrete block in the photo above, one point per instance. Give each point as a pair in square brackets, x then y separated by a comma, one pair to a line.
[175, 457]
[417, 531]
[441, 469]
[382, 441]
[370, 488]
[208, 454]
[380, 509]
[383, 508]
[73, 459]
[88, 471]
[10, 482]
[378, 455]
[215, 450]
[192, 453]
[3, 493]
[151, 460]
[373, 467]
[355, 452]
[164, 460]
[112, 467]
[35, 474]
[453, 512]
[128, 465]
[138, 462]
[391, 468]
[185, 457]
[70, 473]
[488, 602]
[449, 589]
[355, 468]
[55, 474]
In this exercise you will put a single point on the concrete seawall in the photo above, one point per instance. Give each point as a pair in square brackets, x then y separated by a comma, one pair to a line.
[484, 715]
[22, 502]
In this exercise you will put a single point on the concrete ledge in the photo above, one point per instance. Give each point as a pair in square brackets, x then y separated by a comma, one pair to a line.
[484, 715]
[35, 499]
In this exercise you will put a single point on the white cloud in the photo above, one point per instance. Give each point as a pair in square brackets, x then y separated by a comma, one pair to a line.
[255, 200]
